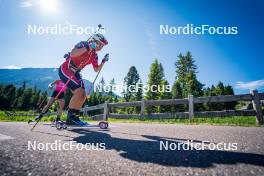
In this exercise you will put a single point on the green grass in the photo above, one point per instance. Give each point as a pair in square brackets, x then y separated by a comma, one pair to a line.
[231, 121]
[5, 118]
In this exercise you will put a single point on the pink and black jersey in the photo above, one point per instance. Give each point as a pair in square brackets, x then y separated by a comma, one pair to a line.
[60, 85]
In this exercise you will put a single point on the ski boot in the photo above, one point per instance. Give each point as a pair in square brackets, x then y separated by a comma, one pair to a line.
[73, 118]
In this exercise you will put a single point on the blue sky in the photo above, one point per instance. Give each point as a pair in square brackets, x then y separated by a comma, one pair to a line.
[133, 31]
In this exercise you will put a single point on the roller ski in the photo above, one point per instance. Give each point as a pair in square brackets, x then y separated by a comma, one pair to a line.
[61, 125]
[73, 121]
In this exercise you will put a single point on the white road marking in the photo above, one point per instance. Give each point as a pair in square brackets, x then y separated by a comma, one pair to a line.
[5, 137]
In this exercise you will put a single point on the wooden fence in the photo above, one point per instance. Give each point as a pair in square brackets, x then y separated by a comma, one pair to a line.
[254, 97]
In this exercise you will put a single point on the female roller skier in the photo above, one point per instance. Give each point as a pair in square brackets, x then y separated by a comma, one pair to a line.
[83, 54]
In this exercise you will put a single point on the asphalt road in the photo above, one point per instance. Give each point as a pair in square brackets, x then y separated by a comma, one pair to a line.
[131, 149]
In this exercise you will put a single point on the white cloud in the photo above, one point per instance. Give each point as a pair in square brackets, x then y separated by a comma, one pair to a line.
[11, 67]
[26, 3]
[258, 84]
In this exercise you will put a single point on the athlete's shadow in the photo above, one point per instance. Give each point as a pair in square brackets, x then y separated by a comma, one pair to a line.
[148, 151]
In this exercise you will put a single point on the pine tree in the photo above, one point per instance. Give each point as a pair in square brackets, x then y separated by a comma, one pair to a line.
[220, 89]
[193, 86]
[9, 93]
[139, 93]
[112, 84]
[181, 70]
[2, 97]
[102, 85]
[230, 91]
[24, 101]
[130, 81]
[35, 99]
[190, 63]
[155, 78]
[177, 93]
[44, 99]
[186, 78]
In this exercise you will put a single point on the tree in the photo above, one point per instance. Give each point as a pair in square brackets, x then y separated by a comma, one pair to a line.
[1, 97]
[177, 93]
[220, 89]
[177, 90]
[22, 98]
[193, 86]
[24, 101]
[155, 79]
[9, 93]
[35, 98]
[44, 99]
[102, 85]
[190, 63]
[112, 84]
[186, 78]
[130, 82]
[181, 70]
[230, 91]
[139, 93]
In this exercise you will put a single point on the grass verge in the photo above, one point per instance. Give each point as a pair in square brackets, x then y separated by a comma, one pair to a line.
[230, 121]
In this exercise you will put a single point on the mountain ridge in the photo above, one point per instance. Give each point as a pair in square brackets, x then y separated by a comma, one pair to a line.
[39, 77]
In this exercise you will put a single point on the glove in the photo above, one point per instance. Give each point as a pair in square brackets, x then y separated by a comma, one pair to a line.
[67, 55]
[50, 86]
[106, 58]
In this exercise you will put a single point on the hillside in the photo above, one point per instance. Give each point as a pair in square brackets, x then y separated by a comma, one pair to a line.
[39, 77]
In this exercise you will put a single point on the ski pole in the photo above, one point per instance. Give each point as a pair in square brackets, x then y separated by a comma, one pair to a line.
[41, 103]
[89, 90]
[65, 85]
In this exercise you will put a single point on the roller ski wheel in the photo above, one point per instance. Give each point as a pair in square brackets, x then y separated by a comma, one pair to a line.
[60, 125]
[64, 126]
[103, 125]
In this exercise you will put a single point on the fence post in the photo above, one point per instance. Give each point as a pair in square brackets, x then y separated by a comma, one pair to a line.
[257, 107]
[191, 108]
[142, 110]
[105, 111]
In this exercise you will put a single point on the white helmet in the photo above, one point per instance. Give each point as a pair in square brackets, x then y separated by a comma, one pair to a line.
[99, 38]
